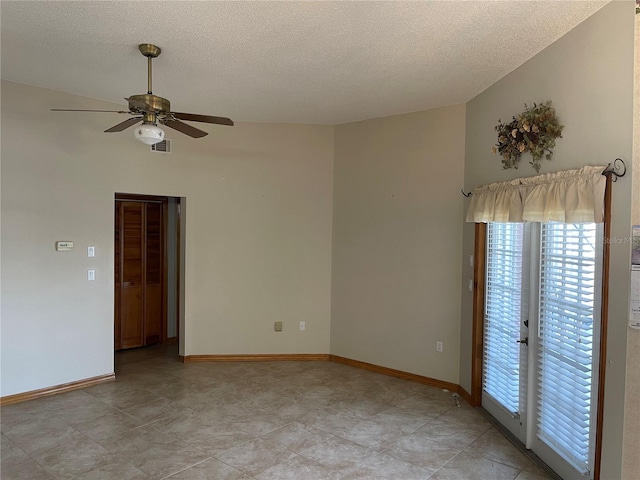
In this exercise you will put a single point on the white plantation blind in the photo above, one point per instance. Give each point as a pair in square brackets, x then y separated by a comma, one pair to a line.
[502, 314]
[568, 279]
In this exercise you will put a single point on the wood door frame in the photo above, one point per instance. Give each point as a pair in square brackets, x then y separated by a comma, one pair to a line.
[164, 201]
[179, 240]
[477, 347]
[477, 335]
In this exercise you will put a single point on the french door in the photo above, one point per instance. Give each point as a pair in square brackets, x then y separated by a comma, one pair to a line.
[541, 330]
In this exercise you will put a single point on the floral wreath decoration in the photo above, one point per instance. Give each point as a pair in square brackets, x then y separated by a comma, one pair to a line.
[535, 131]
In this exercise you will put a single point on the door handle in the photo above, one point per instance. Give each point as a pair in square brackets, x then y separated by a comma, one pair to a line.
[525, 341]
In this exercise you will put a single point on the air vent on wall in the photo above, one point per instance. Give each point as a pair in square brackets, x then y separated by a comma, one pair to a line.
[162, 147]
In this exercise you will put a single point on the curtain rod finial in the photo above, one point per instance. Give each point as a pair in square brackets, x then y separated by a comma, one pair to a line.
[616, 169]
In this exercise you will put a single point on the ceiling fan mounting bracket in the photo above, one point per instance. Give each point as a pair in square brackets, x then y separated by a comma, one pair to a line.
[149, 50]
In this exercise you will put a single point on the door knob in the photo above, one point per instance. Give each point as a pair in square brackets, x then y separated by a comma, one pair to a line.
[525, 341]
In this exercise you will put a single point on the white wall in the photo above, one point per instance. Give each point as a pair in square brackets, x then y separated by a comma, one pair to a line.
[397, 241]
[588, 74]
[258, 235]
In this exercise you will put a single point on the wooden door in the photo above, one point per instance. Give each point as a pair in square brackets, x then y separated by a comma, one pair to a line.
[139, 273]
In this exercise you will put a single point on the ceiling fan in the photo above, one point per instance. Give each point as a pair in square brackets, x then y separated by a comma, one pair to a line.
[151, 110]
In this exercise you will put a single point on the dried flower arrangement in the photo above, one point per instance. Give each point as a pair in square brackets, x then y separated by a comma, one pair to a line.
[535, 130]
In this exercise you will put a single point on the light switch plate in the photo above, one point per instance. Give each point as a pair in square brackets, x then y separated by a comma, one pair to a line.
[91, 275]
[91, 251]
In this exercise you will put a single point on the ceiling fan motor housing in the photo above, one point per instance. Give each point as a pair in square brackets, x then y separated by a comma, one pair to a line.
[152, 103]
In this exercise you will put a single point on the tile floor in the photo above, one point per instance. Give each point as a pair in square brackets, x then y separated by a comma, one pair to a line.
[264, 421]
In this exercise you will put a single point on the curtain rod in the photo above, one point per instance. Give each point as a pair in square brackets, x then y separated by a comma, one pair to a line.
[617, 169]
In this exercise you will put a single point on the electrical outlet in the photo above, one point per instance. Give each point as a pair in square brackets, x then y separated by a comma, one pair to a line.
[277, 326]
[302, 325]
[91, 275]
[438, 346]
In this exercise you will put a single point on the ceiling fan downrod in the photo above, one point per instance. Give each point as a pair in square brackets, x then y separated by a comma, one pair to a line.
[150, 51]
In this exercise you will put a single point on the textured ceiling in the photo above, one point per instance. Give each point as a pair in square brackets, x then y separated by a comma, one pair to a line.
[291, 62]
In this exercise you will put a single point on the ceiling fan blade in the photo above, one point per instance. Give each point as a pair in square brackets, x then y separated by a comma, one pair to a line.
[193, 117]
[73, 110]
[185, 128]
[124, 125]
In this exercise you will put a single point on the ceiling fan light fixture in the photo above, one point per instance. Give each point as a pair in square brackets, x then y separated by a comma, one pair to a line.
[149, 134]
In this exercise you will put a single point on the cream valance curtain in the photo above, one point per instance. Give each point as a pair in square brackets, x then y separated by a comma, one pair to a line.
[571, 196]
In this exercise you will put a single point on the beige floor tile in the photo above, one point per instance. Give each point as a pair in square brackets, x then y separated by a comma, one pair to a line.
[27, 470]
[386, 467]
[152, 411]
[107, 425]
[533, 472]
[81, 409]
[331, 420]
[299, 468]
[448, 434]
[401, 418]
[154, 453]
[255, 456]
[129, 398]
[362, 407]
[374, 435]
[422, 452]
[11, 455]
[21, 412]
[494, 446]
[218, 441]
[75, 456]
[187, 426]
[211, 469]
[257, 423]
[36, 442]
[524, 475]
[296, 437]
[467, 417]
[294, 410]
[338, 454]
[427, 405]
[466, 466]
[31, 425]
[114, 471]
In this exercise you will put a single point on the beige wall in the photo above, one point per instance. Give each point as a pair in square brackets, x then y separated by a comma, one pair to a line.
[588, 74]
[396, 241]
[631, 453]
[258, 235]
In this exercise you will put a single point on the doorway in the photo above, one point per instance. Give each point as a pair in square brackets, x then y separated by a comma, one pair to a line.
[541, 331]
[147, 270]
